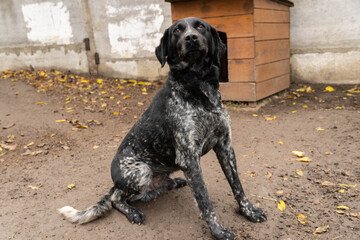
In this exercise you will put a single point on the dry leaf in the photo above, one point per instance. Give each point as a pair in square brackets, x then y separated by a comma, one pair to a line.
[298, 153]
[250, 173]
[60, 121]
[329, 89]
[280, 192]
[294, 111]
[270, 118]
[339, 211]
[322, 229]
[269, 175]
[343, 207]
[9, 126]
[36, 153]
[327, 183]
[70, 186]
[255, 115]
[281, 205]
[33, 187]
[304, 159]
[126, 97]
[299, 172]
[341, 191]
[281, 142]
[319, 129]
[302, 219]
[347, 186]
[95, 147]
[40, 103]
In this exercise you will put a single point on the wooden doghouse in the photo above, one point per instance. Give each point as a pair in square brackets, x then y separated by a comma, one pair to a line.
[257, 35]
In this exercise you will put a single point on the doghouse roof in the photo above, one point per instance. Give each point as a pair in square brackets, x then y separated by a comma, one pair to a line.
[284, 2]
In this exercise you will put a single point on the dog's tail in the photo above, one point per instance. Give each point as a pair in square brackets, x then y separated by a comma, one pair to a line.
[89, 214]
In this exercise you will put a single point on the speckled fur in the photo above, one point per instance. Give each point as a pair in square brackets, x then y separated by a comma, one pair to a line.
[185, 121]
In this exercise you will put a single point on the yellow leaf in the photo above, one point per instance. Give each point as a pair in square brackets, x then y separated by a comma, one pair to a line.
[319, 129]
[343, 207]
[322, 229]
[99, 80]
[53, 135]
[308, 89]
[30, 144]
[294, 103]
[144, 93]
[298, 153]
[116, 113]
[144, 89]
[40, 103]
[305, 106]
[301, 89]
[304, 159]
[281, 142]
[294, 111]
[347, 186]
[126, 97]
[132, 81]
[60, 121]
[270, 119]
[33, 187]
[70, 186]
[302, 219]
[103, 105]
[338, 108]
[299, 172]
[95, 147]
[112, 97]
[341, 191]
[1, 149]
[281, 205]
[329, 89]
[140, 103]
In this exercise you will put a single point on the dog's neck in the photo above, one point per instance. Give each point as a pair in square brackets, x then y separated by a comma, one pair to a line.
[202, 86]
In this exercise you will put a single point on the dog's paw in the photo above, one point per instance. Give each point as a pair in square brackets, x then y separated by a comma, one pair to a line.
[135, 216]
[253, 213]
[222, 233]
[180, 182]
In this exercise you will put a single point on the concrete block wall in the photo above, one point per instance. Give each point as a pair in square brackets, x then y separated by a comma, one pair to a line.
[44, 34]
[325, 41]
[50, 34]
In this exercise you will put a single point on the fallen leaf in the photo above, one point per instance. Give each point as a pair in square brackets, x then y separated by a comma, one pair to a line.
[70, 186]
[341, 191]
[304, 159]
[250, 173]
[347, 186]
[9, 126]
[255, 115]
[302, 219]
[116, 113]
[357, 215]
[126, 97]
[99, 80]
[339, 211]
[1, 149]
[281, 142]
[322, 229]
[343, 207]
[327, 183]
[308, 89]
[95, 147]
[269, 175]
[140, 103]
[319, 129]
[33, 187]
[8, 147]
[30, 144]
[270, 118]
[338, 108]
[53, 135]
[40, 103]
[280, 192]
[294, 111]
[36, 153]
[305, 106]
[329, 89]
[60, 121]
[281, 205]
[299, 172]
[298, 153]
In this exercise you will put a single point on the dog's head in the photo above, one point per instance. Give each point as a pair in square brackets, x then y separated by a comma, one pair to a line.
[190, 41]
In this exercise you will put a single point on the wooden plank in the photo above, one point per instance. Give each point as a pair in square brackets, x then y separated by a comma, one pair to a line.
[239, 48]
[272, 86]
[241, 70]
[238, 92]
[271, 51]
[268, 4]
[210, 8]
[234, 26]
[271, 70]
[272, 16]
[268, 31]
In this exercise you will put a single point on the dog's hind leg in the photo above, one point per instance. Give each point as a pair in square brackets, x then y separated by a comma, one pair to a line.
[226, 157]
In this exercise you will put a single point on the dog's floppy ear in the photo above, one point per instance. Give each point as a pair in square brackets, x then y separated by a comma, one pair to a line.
[218, 47]
[161, 51]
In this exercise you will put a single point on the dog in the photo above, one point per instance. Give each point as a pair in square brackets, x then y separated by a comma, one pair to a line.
[185, 120]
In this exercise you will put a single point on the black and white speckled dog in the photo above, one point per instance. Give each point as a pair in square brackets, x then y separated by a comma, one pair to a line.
[185, 121]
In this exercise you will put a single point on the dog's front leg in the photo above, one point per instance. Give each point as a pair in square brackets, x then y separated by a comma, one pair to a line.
[226, 157]
[193, 174]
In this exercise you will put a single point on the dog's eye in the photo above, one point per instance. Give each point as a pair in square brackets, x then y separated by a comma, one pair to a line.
[176, 30]
[201, 26]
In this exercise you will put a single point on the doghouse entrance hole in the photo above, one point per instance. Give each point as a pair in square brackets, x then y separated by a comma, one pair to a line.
[224, 60]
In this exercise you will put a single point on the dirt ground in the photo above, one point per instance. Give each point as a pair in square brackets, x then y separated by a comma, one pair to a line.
[59, 129]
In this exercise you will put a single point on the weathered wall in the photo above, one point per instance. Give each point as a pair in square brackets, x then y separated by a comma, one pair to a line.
[44, 34]
[325, 41]
[126, 33]
[50, 33]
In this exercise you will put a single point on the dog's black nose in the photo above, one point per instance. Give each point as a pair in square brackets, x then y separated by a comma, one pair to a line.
[191, 37]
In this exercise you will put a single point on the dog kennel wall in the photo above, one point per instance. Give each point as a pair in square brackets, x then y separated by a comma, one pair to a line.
[258, 43]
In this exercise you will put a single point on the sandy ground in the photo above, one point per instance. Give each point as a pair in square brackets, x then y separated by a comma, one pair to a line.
[40, 156]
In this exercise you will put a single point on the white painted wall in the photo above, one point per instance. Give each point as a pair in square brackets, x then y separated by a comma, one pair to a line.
[325, 41]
